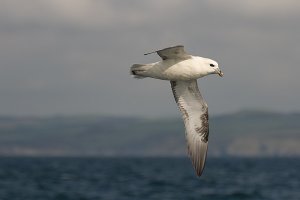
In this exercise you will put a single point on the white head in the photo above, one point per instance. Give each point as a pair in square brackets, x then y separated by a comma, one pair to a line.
[212, 67]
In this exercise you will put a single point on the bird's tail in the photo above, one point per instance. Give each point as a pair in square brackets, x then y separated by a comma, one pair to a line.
[138, 70]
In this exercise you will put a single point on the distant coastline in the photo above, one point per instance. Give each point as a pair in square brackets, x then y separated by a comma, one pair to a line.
[245, 133]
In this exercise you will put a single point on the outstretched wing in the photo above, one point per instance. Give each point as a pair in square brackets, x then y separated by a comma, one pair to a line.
[195, 116]
[176, 52]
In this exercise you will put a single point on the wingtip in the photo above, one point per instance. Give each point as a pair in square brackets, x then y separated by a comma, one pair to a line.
[198, 169]
[175, 46]
[149, 53]
[199, 173]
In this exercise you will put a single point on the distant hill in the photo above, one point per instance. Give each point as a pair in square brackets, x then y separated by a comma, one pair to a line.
[246, 133]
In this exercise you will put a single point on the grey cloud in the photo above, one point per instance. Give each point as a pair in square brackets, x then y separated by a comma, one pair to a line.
[64, 57]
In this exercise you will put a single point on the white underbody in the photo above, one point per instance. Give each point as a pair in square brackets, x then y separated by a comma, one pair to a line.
[175, 69]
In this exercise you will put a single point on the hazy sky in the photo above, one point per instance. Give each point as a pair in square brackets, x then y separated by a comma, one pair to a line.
[73, 56]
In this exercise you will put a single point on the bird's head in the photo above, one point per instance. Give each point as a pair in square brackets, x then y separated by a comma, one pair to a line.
[213, 67]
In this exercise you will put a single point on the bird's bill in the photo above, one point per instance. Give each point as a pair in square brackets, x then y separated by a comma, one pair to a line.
[219, 72]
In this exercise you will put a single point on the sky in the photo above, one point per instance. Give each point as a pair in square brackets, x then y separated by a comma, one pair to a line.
[69, 57]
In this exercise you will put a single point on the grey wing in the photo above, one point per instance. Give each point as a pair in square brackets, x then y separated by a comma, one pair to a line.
[195, 116]
[176, 52]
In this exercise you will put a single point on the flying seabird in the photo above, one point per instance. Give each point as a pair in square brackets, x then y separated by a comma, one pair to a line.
[183, 70]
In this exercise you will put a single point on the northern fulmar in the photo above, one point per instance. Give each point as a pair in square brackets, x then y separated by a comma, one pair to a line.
[183, 70]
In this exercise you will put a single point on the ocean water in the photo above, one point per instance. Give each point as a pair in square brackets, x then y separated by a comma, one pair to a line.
[148, 178]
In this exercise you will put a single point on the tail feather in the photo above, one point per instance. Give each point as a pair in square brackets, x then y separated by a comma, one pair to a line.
[137, 69]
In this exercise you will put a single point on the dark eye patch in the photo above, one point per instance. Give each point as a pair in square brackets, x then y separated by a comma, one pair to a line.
[212, 65]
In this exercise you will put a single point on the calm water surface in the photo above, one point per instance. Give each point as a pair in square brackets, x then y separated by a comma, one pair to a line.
[148, 178]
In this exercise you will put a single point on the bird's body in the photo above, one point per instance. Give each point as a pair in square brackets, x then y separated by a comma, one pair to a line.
[175, 69]
[183, 70]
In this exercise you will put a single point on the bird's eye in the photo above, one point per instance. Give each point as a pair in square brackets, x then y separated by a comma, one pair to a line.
[212, 65]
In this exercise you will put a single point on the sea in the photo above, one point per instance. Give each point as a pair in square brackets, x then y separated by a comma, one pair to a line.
[163, 178]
